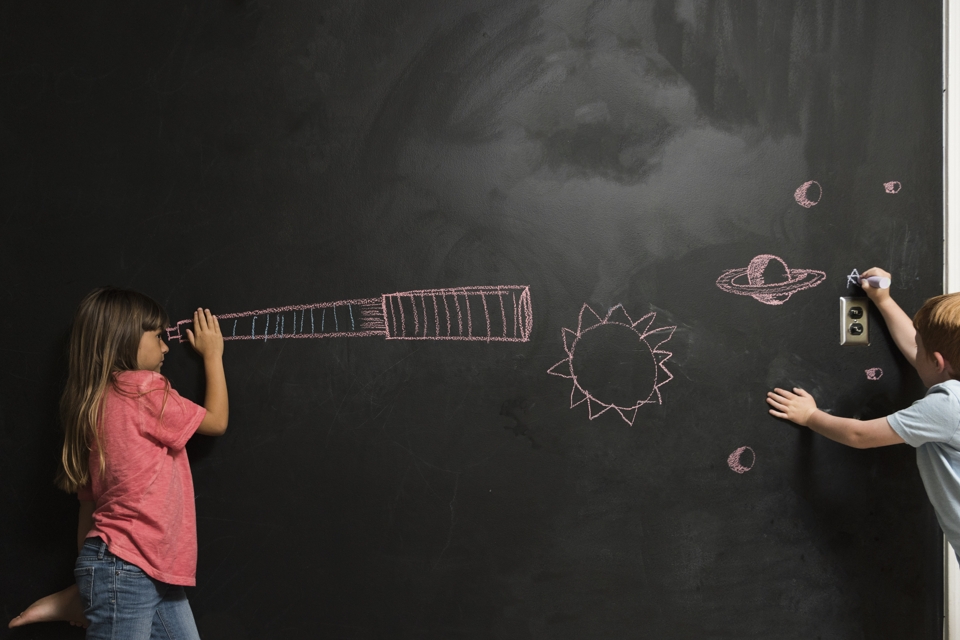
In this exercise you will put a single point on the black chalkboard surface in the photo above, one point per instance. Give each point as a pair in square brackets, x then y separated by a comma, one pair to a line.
[617, 225]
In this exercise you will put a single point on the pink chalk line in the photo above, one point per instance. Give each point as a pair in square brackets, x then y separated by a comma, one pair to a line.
[892, 186]
[756, 286]
[800, 195]
[874, 374]
[589, 320]
[395, 316]
[735, 461]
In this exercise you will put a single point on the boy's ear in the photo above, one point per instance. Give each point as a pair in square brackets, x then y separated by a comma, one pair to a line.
[943, 365]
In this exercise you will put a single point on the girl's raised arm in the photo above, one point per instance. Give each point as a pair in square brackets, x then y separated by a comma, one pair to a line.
[208, 342]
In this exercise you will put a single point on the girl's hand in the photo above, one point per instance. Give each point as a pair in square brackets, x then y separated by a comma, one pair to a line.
[796, 407]
[207, 341]
[875, 294]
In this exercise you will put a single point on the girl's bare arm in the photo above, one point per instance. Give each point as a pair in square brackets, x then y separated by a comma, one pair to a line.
[207, 340]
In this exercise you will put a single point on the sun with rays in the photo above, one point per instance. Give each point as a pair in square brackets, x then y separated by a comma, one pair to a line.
[615, 362]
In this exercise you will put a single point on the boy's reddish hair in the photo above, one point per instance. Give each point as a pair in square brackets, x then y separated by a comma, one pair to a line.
[938, 325]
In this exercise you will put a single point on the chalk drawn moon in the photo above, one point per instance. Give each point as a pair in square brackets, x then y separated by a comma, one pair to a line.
[874, 374]
[736, 460]
[801, 195]
[892, 187]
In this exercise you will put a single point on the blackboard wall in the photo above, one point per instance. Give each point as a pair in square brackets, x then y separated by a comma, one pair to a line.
[246, 155]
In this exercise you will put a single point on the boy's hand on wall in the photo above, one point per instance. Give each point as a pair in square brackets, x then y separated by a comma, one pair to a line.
[875, 294]
[796, 407]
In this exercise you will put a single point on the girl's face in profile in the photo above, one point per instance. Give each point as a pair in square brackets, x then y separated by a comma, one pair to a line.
[151, 351]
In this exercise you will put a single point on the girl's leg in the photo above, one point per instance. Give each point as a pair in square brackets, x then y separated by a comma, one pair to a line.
[174, 619]
[64, 605]
[119, 599]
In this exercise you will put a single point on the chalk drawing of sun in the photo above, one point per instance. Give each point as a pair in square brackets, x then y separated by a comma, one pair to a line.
[615, 362]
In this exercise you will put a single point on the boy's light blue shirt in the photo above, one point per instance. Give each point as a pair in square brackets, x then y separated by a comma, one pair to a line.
[932, 425]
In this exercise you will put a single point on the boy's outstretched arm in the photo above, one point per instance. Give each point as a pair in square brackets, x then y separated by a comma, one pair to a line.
[899, 323]
[800, 407]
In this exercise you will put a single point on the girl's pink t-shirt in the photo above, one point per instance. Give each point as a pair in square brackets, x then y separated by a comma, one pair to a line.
[143, 501]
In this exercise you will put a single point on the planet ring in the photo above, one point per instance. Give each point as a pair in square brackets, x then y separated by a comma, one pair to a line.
[799, 279]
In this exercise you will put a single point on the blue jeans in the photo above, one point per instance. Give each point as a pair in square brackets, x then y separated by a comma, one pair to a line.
[123, 603]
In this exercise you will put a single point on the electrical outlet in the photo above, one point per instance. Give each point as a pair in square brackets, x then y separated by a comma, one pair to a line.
[854, 321]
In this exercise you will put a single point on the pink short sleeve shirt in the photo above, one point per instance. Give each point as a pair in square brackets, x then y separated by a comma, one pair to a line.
[144, 504]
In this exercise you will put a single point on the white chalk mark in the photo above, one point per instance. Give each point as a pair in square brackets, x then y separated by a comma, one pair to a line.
[853, 278]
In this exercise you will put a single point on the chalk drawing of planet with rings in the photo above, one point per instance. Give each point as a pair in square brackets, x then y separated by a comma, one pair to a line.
[767, 279]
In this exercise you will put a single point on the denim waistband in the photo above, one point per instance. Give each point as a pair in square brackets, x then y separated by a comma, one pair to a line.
[98, 542]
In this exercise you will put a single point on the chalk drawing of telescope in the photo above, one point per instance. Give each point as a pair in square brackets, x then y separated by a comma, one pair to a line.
[482, 314]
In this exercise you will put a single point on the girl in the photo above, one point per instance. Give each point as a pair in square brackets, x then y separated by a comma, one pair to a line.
[123, 454]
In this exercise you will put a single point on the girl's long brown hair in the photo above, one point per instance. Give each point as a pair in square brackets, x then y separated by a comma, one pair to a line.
[104, 341]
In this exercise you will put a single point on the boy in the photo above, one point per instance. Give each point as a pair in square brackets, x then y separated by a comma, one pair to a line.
[931, 343]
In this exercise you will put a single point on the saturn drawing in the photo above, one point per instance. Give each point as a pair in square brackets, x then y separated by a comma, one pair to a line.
[767, 279]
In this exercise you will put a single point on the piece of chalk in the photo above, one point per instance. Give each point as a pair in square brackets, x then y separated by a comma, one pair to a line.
[877, 282]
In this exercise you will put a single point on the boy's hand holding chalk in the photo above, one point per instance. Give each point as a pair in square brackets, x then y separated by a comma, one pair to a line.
[875, 282]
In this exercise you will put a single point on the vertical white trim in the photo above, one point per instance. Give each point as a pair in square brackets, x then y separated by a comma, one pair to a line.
[951, 160]
[951, 594]
[951, 256]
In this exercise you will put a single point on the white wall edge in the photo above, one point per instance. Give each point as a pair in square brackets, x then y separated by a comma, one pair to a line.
[951, 159]
[951, 255]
